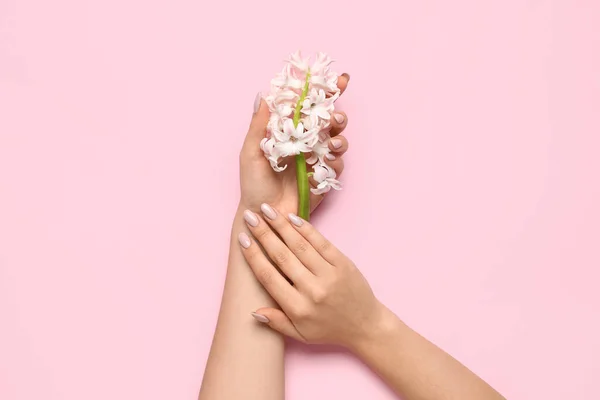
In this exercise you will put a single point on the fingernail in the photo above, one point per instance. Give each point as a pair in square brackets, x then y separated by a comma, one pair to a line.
[339, 118]
[244, 240]
[250, 218]
[257, 102]
[347, 76]
[330, 156]
[296, 220]
[336, 143]
[260, 318]
[268, 211]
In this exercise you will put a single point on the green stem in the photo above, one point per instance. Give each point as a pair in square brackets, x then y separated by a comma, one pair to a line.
[303, 190]
[301, 100]
[301, 175]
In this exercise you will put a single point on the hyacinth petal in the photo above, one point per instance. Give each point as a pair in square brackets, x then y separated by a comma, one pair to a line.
[312, 159]
[283, 135]
[336, 185]
[287, 149]
[296, 60]
[320, 189]
[279, 80]
[288, 129]
[303, 147]
[322, 62]
[275, 165]
[264, 147]
[285, 96]
[312, 138]
[306, 107]
[320, 173]
[321, 96]
[322, 113]
[299, 133]
[333, 98]
[284, 110]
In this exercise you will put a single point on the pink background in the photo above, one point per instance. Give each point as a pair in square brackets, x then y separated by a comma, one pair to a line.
[471, 201]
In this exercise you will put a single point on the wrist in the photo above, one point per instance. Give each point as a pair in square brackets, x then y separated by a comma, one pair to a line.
[384, 328]
[237, 224]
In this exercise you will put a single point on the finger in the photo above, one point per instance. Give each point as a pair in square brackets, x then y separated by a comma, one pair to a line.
[342, 82]
[258, 126]
[277, 251]
[280, 290]
[315, 199]
[338, 122]
[278, 321]
[325, 248]
[338, 145]
[295, 242]
[338, 165]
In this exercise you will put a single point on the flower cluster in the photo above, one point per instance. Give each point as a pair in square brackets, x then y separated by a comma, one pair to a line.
[301, 102]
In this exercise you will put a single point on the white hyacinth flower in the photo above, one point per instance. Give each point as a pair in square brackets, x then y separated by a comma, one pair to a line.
[325, 176]
[294, 140]
[297, 127]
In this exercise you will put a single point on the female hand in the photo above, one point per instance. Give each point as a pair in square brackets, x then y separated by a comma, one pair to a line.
[329, 302]
[260, 184]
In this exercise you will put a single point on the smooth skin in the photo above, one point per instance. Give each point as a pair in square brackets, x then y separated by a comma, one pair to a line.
[329, 301]
[246, 360]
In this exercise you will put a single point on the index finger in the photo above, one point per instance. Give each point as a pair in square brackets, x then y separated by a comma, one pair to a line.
[323, 246]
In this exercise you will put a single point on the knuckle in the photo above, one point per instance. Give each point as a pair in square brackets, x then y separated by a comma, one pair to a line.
[265, 277]
[253, 255]
[325, 246]
[280, 257]
[319, 295]
[301, 313]
[262, 233]
[300, 247]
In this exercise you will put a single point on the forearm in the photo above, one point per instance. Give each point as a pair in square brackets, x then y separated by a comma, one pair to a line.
[417, 369]
[246, 358]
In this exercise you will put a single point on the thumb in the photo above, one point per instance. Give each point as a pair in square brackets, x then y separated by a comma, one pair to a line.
[278, 321]
[258, 125]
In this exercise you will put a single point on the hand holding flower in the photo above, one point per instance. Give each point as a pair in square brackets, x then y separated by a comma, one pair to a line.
[260, 183]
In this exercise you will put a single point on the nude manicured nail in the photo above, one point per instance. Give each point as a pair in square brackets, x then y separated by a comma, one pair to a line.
[339, 118]
[260, 318]
[244, 240]
[294, 219]
[268, 211]
[347, 76]
[330, 156]
[336, 143]
[257, 102]
[250, 218]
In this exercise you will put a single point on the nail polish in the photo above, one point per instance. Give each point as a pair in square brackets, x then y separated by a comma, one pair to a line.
[294, 219]
[330, 156]
[250, 218]
[260, 318]
[347, 76]
[257, 101]
[268, 211]
[339, 118]
[244, 240]
[336, 143]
